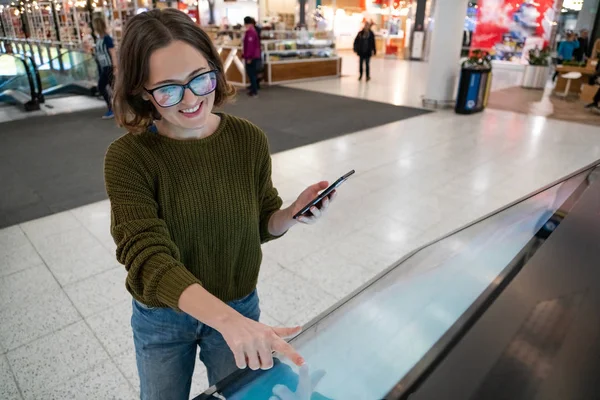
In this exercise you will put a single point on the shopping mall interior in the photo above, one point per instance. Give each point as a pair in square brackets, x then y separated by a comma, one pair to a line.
[457, 262]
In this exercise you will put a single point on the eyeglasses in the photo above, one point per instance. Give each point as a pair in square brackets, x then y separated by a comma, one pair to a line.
[170, 95]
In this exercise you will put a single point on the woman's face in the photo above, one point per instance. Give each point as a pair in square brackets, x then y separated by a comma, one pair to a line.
[178, 63]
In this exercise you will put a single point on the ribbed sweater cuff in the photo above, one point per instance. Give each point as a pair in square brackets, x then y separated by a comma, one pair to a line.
[173, 283]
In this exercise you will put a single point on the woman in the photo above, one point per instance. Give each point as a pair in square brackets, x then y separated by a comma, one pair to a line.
[191, 202]
[107, 62]
[364, 47]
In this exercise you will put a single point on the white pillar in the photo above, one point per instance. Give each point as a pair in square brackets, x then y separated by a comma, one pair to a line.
[444, 52]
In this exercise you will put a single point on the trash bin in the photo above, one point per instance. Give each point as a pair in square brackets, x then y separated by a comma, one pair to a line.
[473, 89]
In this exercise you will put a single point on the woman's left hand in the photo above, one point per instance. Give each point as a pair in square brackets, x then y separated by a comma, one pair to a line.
[306, 197]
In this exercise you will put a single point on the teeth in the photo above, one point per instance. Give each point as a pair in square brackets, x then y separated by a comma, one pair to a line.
[191, 110]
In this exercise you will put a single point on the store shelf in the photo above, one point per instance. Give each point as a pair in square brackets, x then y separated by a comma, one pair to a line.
[280, 72]
[298, 60]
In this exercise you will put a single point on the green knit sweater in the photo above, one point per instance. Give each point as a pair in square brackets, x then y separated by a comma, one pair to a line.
[191, 211]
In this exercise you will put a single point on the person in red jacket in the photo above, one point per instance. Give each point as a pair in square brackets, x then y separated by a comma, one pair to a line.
[251, 55]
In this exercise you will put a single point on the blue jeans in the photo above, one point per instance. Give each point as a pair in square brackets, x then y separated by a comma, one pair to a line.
[105, 80]
[165, 347]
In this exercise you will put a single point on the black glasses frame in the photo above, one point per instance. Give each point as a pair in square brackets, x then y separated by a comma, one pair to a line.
[186, 86]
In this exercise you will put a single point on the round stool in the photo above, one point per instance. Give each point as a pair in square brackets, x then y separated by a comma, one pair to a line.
[569, 76]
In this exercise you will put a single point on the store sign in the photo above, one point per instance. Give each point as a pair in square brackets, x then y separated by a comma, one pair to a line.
[503, 24]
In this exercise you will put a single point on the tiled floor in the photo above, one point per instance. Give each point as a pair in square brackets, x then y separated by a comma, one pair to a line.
[54, 106]
[65, 330]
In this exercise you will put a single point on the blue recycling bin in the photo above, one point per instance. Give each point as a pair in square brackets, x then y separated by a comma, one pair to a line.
[473, 89]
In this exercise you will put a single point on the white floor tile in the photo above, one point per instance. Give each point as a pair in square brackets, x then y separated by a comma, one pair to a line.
[113, 328]
[25, 285]
[8, 385]
[103, 381]
[268, 268]
[301, 241]
[127, 365]
[39, 229]
[304, 315]
[99, 292]
[74, 103]
[16, 252]
[55, 106]
[266, 319]
[55, 359]
[377, 250]
[33, 306]
[199, 379]
[75, 254]
[286, 296]
[331, 272]
[96, 218]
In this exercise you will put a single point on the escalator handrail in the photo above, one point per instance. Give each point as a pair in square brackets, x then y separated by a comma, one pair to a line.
[67, 45]
[38, 79]
[22, 59]
[71, 51]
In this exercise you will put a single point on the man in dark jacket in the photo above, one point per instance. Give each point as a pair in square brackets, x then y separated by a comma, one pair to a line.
[364, 47]
[583, 51]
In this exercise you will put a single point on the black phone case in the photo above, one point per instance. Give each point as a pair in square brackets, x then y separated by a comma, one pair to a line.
[323, 194]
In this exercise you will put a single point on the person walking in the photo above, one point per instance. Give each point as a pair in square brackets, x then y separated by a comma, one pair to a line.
[251, 54]
[106, 58]
[364, 47]
[192, 200]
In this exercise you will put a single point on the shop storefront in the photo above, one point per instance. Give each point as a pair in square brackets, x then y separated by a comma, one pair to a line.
[393, 23]
[504, 27]
[508, 29]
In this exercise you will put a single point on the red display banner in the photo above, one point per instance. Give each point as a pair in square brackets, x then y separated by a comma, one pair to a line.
[501, 20]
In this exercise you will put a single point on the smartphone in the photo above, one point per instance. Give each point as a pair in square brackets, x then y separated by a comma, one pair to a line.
[323, 194]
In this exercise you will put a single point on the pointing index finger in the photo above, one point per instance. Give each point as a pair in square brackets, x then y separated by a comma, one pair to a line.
[283, 347]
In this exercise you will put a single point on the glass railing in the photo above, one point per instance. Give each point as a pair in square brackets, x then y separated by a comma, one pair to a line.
[41, 51]
[379, 339]
[61, 68]
[68, 69]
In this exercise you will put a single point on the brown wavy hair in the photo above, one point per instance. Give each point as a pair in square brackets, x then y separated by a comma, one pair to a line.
[144, 34]
[100, 26]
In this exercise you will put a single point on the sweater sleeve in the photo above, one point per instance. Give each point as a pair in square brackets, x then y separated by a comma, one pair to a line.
[269, 199]
[154, 271]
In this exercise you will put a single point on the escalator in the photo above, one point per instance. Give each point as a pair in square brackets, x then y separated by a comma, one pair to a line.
[19, 82]
[70, 72]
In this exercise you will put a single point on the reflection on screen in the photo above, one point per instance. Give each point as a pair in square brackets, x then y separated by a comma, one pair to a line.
[368, 344]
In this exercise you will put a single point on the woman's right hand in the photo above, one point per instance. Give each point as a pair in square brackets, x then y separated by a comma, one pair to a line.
[252, 343]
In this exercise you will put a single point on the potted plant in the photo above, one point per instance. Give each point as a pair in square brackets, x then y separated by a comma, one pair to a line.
[478, 60]
[538, 68]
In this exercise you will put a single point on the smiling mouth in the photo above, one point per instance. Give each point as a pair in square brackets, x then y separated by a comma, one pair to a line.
[192, 110]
